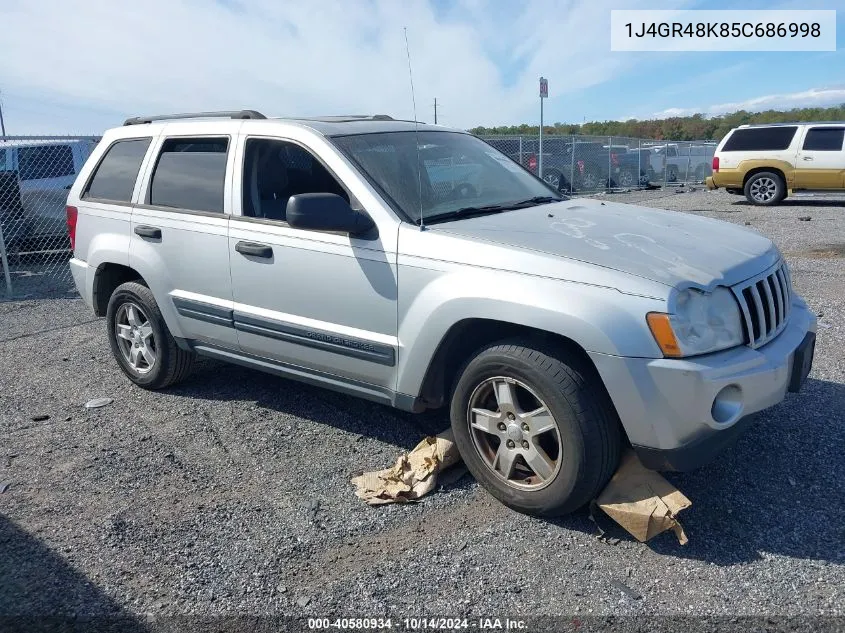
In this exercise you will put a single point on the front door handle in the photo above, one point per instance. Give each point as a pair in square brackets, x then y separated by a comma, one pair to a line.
[807, 158]
[253, 249]
[152, 232]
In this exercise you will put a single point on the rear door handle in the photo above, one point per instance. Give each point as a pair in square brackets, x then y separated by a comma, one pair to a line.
[253, 249]
[807, 158]
[151, 232]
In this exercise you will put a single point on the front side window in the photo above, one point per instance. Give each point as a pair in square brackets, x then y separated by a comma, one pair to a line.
[45, 161]
[190, 174]
[760, 139]
[116, 174]
[824, 139]
[436, 174]
[276, 170]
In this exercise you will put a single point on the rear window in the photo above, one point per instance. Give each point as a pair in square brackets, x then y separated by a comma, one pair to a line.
[190, 174]
[115, 176]
[760, 139]
[45, 161]
[824, 139]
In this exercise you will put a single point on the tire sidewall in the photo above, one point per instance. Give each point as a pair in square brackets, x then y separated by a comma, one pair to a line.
[779, 195]
[125, 295]
[498, 364]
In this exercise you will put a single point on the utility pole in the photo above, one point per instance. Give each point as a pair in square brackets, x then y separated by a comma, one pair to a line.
[2, 124]
[435, 110]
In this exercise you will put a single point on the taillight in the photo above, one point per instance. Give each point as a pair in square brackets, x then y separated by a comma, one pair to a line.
[532, 163]
[71, 225]
[715, 163]
[580, 166]
[614, 159]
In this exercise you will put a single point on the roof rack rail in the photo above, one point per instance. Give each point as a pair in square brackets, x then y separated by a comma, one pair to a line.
[226, 114]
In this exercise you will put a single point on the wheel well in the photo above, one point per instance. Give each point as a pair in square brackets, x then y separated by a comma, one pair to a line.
[107, 278]
[466, 337]
[757, 170]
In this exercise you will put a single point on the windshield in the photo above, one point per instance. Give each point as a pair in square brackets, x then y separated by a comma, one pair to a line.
[456, 172]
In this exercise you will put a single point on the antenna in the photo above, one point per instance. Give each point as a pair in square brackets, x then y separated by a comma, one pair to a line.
[416, 128]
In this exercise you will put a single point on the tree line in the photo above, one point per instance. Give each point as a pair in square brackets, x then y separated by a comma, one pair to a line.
[688, 128]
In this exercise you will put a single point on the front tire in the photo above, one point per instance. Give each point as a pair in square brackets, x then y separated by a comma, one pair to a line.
[140, 341]
[765, 188]
[535, 428]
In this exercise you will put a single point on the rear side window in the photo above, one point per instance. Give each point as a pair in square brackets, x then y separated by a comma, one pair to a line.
[115, 176]
[760, 139]
[824, 139]
[190, 174]
[45, 161]
[3, 160]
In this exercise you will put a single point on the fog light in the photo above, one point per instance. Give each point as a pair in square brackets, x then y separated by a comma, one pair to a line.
[727, 406]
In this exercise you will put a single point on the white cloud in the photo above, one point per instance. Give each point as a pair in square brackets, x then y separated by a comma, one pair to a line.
[103, 60]
[806, 99]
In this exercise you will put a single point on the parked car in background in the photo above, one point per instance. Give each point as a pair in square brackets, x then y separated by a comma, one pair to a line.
[555, 333]
[44, 171]
[768, 162]
[633, 162]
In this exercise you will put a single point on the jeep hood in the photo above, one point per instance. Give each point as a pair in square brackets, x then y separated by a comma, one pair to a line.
[668, 247]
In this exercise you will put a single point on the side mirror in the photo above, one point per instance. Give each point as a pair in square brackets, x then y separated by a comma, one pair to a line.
[326, 212]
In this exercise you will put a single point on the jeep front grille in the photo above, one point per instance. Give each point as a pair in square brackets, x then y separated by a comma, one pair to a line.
[765, 303]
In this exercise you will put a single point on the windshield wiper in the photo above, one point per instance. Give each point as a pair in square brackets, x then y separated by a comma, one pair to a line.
[466, 212]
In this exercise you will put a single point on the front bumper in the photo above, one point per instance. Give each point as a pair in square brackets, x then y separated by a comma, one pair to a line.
[679, 413]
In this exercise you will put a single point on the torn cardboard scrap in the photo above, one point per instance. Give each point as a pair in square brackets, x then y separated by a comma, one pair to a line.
[413, 475]
[642, 501]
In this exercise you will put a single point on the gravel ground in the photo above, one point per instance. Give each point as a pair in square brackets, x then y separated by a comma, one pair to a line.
[230, 493]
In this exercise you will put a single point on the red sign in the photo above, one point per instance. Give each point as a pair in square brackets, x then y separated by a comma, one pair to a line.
[544, 88]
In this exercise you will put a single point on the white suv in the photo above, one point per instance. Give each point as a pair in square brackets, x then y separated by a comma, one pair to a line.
[768, 162]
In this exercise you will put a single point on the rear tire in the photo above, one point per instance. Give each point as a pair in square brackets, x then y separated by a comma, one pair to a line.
[765, 188]
[140, 341]
[553, 461]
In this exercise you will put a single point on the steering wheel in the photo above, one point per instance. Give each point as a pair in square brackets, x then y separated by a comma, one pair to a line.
[464, 190]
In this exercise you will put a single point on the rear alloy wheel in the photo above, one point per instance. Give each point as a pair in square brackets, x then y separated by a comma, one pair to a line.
[627, 178]
[589, 181]
[765, 188]
[140, 341]
[535, 427]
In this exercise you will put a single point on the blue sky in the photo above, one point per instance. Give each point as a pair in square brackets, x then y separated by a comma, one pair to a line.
[77, 67]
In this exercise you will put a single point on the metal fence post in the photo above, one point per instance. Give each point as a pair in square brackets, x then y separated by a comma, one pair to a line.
[520, 151]
[5, 263]
[639, 163]
[572, 167]
[607, 183]
[689, 159]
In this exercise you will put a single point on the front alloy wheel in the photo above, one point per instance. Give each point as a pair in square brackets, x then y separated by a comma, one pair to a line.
[515, 433]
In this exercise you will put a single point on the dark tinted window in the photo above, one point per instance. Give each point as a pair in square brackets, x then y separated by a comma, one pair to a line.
[824, 139]
[760, 139]
[190, 174]
[276, 170]
[115, 177]
[3, 160]
[45, 161]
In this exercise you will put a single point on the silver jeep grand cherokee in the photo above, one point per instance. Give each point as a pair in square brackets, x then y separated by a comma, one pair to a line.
[419, 267]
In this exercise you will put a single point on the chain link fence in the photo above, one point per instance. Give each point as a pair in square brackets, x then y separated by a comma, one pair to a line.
[590, 164]
[36, 173]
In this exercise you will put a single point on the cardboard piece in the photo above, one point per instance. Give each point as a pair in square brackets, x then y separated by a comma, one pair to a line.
[642, 501]
[413, 475]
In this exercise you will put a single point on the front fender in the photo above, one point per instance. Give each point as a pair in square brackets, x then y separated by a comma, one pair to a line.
[599, 319]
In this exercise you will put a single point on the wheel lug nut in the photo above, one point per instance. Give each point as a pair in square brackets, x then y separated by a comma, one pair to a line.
[510, 416]
[525, 444]
[511, 444]
[502, 426]
[525, 427]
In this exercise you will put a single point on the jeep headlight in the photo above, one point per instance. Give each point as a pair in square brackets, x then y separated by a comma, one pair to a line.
[701, 323]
